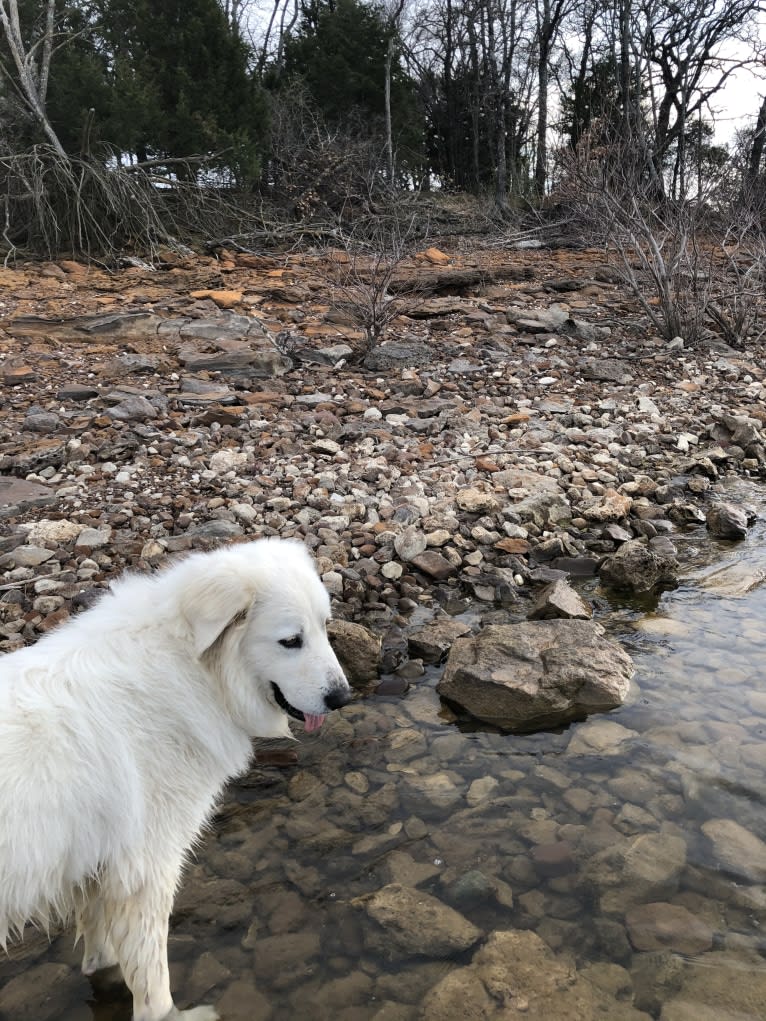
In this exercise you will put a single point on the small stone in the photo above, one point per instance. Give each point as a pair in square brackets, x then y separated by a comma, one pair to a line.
[94, 538]
[223, 461]
[392, 686]
[62, 531]
[599, 737]
[434, 256]
[476, 501]
[434, 565]
[224, 299]
[26, 556]
[481, 790]
[553, 859]
[357, 782]
[409, 544]
[41, 422]
[133, 409]
[560, 600]
[612, 506]
[414, 924]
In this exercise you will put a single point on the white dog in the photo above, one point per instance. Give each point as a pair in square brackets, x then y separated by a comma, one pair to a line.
[119, 730]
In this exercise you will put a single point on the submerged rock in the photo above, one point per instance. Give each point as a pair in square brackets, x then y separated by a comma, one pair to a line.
[411, 923]
[660, 926]
[737, 849]
[733, 580]
[538, 674]
[517, 969]
[636, 870]
[715, 992]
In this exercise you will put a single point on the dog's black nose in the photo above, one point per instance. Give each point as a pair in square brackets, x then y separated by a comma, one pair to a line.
[337, 698]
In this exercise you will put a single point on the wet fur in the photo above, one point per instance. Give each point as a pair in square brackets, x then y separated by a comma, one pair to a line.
[119, 730]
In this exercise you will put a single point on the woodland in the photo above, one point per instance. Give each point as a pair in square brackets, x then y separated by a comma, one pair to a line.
[130, 125]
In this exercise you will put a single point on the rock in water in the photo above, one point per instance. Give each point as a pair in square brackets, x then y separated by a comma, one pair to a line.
[727, 521]
[412, 923]
[537, 674]
[636, 567]
[517, 969]
[358, 650]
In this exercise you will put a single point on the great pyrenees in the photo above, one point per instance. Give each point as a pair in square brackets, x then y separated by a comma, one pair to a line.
[119, 730]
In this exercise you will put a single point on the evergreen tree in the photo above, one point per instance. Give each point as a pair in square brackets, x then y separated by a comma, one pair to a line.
[164, 78]
[339, 52]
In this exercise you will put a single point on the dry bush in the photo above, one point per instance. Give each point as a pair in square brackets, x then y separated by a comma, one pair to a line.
[317, 172]
[695, 266]
[368, 283]
[90, 208]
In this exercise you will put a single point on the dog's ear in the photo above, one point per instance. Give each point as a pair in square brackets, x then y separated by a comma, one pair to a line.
[211, 603]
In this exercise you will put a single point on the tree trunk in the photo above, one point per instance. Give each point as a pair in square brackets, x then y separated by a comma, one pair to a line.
[756, 149]
[541, 157]
[387, 97]
[31, 86]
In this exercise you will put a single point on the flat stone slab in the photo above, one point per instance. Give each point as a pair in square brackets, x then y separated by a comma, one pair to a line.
[18, 495]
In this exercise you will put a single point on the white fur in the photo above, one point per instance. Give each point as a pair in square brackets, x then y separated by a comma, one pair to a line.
[119, 730]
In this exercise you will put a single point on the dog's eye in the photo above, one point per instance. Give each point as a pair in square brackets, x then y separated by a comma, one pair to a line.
[296, 642]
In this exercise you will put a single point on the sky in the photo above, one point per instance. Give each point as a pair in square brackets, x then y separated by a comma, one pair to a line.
[736, 106]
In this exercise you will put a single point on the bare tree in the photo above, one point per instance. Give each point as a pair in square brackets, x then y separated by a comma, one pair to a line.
[393, 18]
[367, 283]
[30, 71]
[550, 18]
[755, 155]
[282, 19]
[685, 48]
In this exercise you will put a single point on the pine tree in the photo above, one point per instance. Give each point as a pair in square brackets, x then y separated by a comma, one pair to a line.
[339, 52]
[165, 79]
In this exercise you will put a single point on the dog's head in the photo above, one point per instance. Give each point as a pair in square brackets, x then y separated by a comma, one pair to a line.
[257, 616]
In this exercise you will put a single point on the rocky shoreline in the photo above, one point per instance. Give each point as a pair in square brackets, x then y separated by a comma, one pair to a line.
[504, 436]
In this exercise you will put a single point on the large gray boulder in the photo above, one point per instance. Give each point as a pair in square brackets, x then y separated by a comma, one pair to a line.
[537, 674]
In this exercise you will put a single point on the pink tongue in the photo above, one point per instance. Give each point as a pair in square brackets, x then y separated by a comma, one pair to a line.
[312, 722]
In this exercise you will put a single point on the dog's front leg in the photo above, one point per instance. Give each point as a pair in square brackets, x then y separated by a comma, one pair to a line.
[93, 927]
[139, 934]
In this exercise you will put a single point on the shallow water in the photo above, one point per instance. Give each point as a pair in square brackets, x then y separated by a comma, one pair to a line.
[515, 832]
